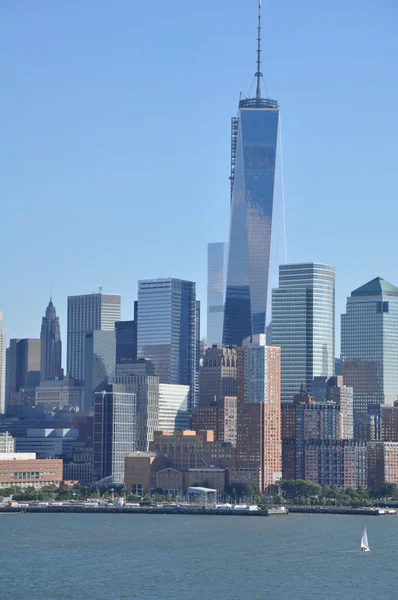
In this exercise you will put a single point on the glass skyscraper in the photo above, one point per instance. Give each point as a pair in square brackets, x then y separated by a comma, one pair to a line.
[91, 312]
[369, 344]
[303, 325]
[217, 260]
[168, 331]
[256, 240]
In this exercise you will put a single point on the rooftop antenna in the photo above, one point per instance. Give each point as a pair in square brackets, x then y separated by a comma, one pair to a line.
[259, 75]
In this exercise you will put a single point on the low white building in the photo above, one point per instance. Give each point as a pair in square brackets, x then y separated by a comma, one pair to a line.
[7, 442]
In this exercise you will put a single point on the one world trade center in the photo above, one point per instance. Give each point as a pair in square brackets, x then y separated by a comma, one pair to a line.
[257, 230]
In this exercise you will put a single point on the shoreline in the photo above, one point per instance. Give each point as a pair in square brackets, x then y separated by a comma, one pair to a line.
[271, 512]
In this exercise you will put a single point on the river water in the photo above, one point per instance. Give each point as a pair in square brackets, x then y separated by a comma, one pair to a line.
[114, 557]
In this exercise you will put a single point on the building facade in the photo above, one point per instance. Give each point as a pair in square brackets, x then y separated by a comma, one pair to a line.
[217, 374]
[259, 410]
[382, 464]
[389, 423]
[17, 470]
[99, 363]
[220, 416]
[304, 420]
[369, 345]
[303, 324]
[49, 443]
[332, 389]
[88, 313]
[173, 407]
[23, 370]
[217, 261]
[168, 331]
[2, 366]
[126, 343]
[142, 382]
[340, 463]
[50, 345]
[58, 393]
[114, 432]
[7, 443]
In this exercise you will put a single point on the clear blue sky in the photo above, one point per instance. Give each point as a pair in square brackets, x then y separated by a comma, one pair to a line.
[114, 140]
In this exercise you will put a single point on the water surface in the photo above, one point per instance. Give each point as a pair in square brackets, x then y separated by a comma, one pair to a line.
[115, 557]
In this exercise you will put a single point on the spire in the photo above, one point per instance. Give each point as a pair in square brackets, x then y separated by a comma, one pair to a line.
[259, 75]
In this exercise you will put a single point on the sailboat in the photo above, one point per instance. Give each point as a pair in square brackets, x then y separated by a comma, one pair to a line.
[364, 542]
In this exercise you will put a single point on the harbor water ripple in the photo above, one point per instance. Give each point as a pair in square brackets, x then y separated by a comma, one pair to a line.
[150, 557]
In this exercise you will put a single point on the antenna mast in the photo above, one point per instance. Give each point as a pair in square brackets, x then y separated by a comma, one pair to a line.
[259, 75]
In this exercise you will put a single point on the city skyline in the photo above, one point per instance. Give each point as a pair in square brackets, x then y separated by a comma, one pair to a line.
[290, 72]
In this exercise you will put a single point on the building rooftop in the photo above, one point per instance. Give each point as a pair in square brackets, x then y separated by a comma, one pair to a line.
[376, 287]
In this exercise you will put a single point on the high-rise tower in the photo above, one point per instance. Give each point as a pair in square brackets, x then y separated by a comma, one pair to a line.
[51, 345]
[257, 233]
[2, 365]
[91, 312]
[369, 345]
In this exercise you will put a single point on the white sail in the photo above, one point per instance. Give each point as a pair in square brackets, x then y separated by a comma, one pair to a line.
[364, 542]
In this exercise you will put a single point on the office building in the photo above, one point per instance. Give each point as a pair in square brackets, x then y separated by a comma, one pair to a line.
[22, 470]
[140, 471]
[186, 450]
[173, 407]
[217, 374]
[99, 363]
[50, 345]
[142, 382]
[369, 345]
[2, 366]
[23, 371]
[259, 410]
[126, 340]
[303, 420]
[217, 262]
[91, 312]
[7, 443]
[49, 443]
[303, 324]
[257, 215]
[58, 393]
[168, 331]
[332, 389]
[382, 463]
[114, 432]
[334, 463]
[389, 423]
[219, 416]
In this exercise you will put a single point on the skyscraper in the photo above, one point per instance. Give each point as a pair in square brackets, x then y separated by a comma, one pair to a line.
[2, 365]
[126, 338]
[99, 363]
[23, 371]
[51, 345]
[217, 260]
[144, 384]
[114, 432]
[257, 221]
[303, 324]
[259, 410]
[168, 331]
[91, 312]
[369, 344]
[217, 374]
